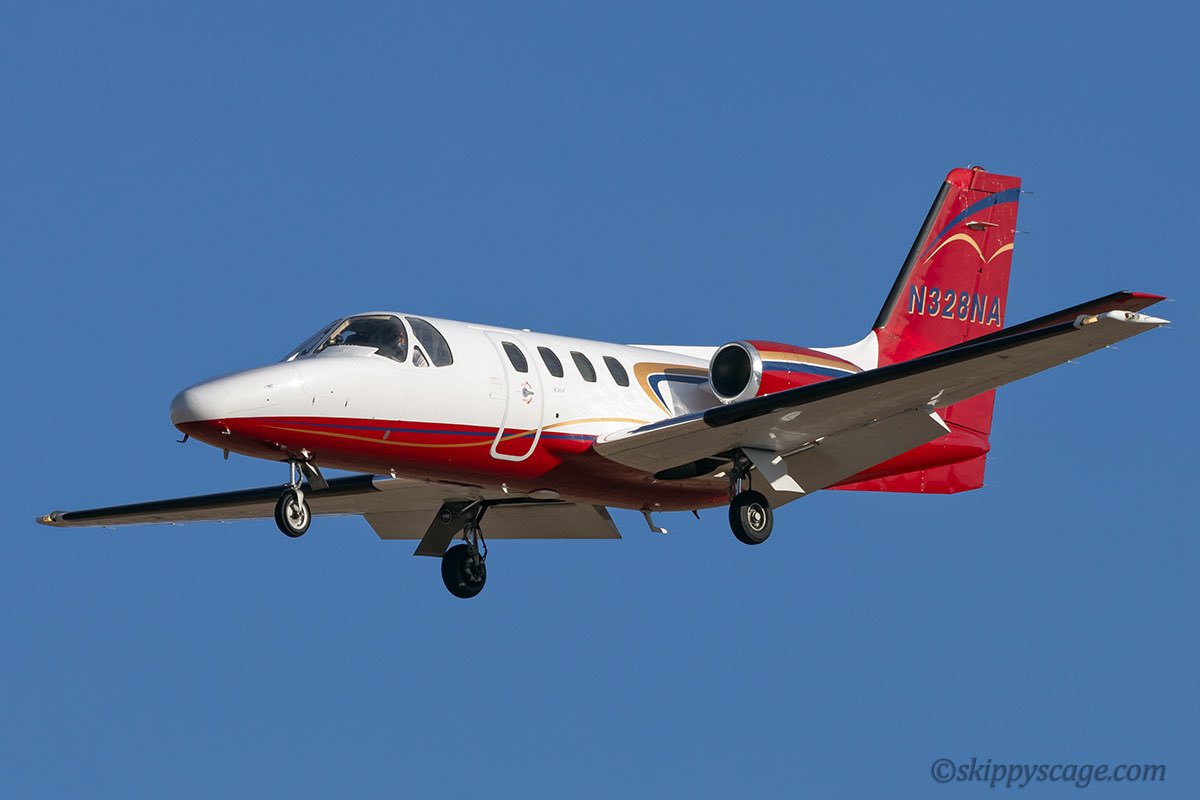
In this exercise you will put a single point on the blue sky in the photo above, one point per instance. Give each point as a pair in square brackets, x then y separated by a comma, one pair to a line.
[190, 190]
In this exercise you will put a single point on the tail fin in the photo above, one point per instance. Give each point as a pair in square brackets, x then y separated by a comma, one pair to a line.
[953, 287]
[954, 284]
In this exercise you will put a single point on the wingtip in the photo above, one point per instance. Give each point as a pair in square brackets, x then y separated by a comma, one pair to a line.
[1121, 316]
[50, 519]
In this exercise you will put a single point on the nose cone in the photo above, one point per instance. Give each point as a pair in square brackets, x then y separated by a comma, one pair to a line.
[199, 403]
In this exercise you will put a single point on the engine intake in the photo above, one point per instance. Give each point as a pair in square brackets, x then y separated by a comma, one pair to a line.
[735, 372]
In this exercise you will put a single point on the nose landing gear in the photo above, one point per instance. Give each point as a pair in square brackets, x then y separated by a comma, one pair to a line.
[292, 514]
[750, 515]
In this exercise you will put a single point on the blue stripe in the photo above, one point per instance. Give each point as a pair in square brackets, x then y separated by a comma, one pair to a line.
[999, 198]
[655, 380]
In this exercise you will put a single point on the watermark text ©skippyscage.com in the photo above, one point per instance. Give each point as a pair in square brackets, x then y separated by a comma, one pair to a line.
[1018, 775]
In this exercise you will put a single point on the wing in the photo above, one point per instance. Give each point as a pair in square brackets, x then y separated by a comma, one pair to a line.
[834, 426]
[395, 509]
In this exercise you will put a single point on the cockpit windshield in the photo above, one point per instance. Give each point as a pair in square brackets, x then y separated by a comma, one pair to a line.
[385, 333]
[313, 342]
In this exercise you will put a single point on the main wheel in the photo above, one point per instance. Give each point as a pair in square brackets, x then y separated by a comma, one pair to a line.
[292, 514]
[463, 571]
[750, 517]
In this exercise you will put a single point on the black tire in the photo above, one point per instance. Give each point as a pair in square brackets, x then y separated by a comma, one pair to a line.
[463, 571]
[751, 518]
[292, 514]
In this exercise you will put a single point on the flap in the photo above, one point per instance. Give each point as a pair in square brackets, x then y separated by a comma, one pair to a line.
[534, 520]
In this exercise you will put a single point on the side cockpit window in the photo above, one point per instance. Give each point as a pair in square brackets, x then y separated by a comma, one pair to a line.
[432, 340]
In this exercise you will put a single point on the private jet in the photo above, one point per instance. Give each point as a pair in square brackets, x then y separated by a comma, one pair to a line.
[455, 429]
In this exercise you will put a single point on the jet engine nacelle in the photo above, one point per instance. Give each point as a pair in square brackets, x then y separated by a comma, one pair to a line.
[735, 372]
[741, 370]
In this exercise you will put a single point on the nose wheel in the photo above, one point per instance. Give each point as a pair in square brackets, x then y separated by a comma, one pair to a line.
[292, 514]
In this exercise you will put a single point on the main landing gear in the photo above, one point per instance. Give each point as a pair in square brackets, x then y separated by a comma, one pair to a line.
[292, 514]
[464, 566]
[750, 515]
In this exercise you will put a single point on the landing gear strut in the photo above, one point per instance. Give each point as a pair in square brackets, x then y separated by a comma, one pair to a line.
[292, 514]
[750, 515]
[464, 567]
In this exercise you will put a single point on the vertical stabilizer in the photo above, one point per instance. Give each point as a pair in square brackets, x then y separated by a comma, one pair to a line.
[953, 287]
[954, 284]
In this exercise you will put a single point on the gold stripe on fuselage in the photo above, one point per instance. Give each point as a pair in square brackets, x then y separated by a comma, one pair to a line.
[643, 370]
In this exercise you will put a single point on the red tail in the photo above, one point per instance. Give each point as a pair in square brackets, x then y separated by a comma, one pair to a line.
[953, 287]
[954, 283]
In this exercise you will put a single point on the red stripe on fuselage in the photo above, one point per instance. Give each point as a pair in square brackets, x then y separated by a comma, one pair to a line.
[456, 454]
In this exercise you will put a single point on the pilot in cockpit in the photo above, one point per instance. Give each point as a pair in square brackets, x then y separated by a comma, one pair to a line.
[385, 334]
[418, 359]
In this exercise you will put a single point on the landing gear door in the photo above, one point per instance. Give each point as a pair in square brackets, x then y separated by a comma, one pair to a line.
[520, 426]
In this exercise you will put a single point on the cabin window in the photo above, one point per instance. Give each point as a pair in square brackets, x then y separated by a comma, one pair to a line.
[516, 357]
[584, 366]
[551, 361]
[617, 371]
[431, 339]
